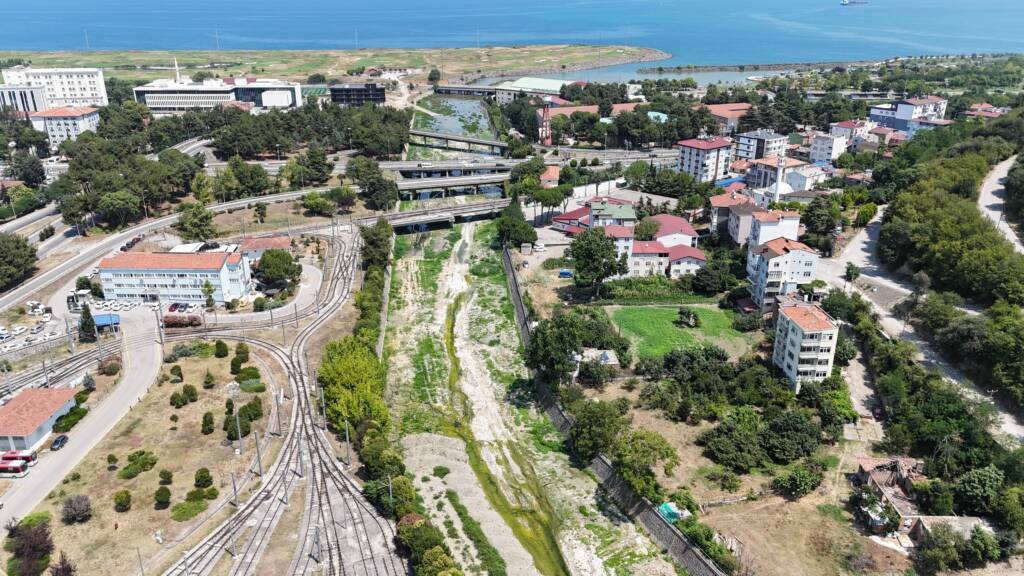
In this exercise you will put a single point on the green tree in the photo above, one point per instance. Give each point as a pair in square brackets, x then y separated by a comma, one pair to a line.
[162, 498]
[177, 373]
[225, 185]
[122, 501]
[513, 229]
[242, 351]
[208, 380]
[220, 349]
[434, 76]
[790, 434]
[317, 168]
[203, 478]
[596, 427]
[195, 222]
[636, 454]
[278, 266]
[852, 272]
[166, 477]
[317, 205]
[353, 381]
[418, 537]
[437, 562]
[202, 188]
[18, 261]
[646, 229]
[27, 168]
[208, 295]
[343, 197]
[976, 489]
[86, 325]
[207, 426]
[596, 258]
[636, 173]
[260, 212]
[821, 216]
[797, 482]
[118, 207]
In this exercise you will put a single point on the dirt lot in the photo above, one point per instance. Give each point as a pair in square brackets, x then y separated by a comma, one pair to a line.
[98, 545]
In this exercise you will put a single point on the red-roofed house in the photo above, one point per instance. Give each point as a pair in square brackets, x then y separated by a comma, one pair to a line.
[685, 260]
[720, 204]
[28, 418]
[985, 110]
[728, 116]
[175, 277]
[549, 179]
[850, 128]
[648, 259]
[65, 123]
[777, 267]
[572, 222]
[623, 239]
[705, 159]
[544, 117]
[767, 226]
[674, 231]
[253, 248]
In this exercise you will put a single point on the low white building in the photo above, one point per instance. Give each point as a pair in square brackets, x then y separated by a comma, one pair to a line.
[62, 124]
[175, 277]
[28, 418]
[898, 115]
[63, 86]
[827, 147]
[851, 129]
[705, 159]
[684, 260]
[506, 92]
[768, 225]
[648, 259]
[805, 342]
[674, 231]
[777, 267]
[176, 95]
[805, 178]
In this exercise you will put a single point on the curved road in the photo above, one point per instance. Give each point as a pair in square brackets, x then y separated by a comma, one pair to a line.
[992, 201]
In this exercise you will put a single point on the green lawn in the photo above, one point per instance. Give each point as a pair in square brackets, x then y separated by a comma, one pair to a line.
[653, 330]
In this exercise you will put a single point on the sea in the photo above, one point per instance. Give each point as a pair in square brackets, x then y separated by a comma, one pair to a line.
[693, 31]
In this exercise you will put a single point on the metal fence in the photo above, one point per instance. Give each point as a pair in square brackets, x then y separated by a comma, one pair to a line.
[674, 542]
[37, 348]
[381, 329]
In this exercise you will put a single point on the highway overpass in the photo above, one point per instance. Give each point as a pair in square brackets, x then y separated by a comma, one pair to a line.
[442, 140]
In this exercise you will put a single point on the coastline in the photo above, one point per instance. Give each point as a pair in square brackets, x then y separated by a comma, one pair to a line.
[650, 55]
[804, 66]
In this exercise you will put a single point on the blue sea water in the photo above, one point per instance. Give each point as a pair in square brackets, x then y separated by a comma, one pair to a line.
[693, 31]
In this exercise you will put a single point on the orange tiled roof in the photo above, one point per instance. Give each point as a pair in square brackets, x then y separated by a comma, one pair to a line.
[30, 409]
[166, 261]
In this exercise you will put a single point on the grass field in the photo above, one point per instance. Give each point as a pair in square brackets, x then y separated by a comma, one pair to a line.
[653, 330]
[298, 64]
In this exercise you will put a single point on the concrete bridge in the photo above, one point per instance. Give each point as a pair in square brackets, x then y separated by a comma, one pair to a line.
[477, 91]
[488, 208]
[442, 140]
[447, 183]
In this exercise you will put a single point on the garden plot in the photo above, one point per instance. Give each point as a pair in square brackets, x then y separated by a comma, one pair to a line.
[653, 330]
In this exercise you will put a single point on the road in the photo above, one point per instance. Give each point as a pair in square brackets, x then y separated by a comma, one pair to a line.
[991, 201]
[861, 251]
[142, 359]
[30, 218]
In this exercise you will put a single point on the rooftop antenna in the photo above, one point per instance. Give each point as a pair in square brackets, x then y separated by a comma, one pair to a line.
[86, 31]
[778, 177]
[177, 73]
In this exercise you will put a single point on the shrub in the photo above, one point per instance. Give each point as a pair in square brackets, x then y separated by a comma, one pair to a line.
[176, 372]
[187, 510]
[208, 380]
[138, 462]
[236, 365]
[248, 373]
[111, 462]
[259, 304]
[122, 501]
[798, 482]
[203, 478]
[212, 493]
[441, 471]
[190, 393]
[162, 498]
[88, 382]
[66, 422]
[111, 368]
[220, 349]
[207, 423]
[178, 400]
[195, 495]
[81, 397]
[76, 509]
[182, 321]
[229, 406]
[747, 322]
[242, 351]
[166, 477]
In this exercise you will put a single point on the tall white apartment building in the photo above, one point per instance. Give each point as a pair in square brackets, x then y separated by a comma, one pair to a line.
[66, 123]
[827, 147]
[759, 143]
[777, 267]
[768, 225]
[898, 115]
[706, 159]
[805, 342]
[175, 277]
[64, 86]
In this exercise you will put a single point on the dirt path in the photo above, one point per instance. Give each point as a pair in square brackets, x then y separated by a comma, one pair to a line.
[992, 201]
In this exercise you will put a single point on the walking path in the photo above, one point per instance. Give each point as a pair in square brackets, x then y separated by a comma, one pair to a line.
[861, 251]
[992, 201]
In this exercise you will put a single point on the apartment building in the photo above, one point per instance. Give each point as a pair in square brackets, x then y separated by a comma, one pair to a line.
[65, 123]
[805, 342]
[720, 205]
[898, 115]
[62, 86]
[175, 277]
[727, 116]
[851, 129]
[741, 217]
[648, 259]
[827, 147]
[768, 225]
[26, 99]
[674, 231]
[176, 96]
[777, 267]
[684, 260]
[705, 159]
[758, 144]
[357, 94]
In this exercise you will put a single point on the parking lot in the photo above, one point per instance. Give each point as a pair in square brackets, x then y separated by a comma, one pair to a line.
[27, 333]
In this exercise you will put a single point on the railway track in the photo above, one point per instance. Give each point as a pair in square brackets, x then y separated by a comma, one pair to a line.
[344, 535]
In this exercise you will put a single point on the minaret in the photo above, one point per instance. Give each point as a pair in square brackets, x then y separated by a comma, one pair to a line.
[177, 73]
[776, 195]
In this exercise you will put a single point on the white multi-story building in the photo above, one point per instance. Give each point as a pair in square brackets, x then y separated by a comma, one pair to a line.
[22, 98]
[768, 225]
[805, 342]
[777, 267]
[851, 129]
[758, 144]
[651, 258]
[684, 260]
[806, 178]
[62, 124]
[674, 231]
[506, 92]
[706, 159]
[898, 114]
[63, 86]
[827, 147]
[175, 277]
[648, 259]
[177, 95]
[764, 172]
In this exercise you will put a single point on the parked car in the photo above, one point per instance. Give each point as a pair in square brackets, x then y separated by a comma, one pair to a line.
[59, 442]
[565, 273]
[18, 330]
[47, 317]
[38, 328]
[173, 307]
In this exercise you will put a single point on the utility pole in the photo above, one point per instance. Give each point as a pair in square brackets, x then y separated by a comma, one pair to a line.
[234, 487]
[295, 307]
[238, 429]
[348, 446]
[142, 571]
[277, 400]
[259, 459]
[323, 406]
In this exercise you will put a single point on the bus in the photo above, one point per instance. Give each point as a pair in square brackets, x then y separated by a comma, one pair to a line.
[27, 455]
[13, 469]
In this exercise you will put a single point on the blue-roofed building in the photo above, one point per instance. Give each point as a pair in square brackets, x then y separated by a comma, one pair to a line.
[106, 322]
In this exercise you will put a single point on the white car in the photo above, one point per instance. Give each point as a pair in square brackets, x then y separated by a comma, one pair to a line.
[193, 307]
[18, 330]
[47, 317]
[32, 340]
[51, 335]
[33, 304]
[11, 346]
